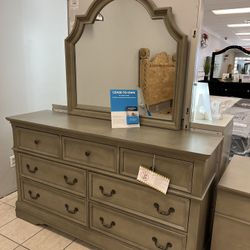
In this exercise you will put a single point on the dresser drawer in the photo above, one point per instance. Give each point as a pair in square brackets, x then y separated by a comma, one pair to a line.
[166, 209]
[39, 142]
[58, 202]
[180, 172]
[63, 176]
[233, 204]
[89, 153]
[137, 232]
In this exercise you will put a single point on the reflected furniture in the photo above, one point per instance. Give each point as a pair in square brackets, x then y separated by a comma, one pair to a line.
[78, 175]
[232, 217]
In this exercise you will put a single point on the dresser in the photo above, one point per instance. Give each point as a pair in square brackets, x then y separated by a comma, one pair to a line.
[232, 216]
[78, 175]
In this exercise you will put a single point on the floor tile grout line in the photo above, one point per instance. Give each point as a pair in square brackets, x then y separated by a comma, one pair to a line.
[69, 244]
[7, 223]
[9, 239]
[21, 246]
[5, 203]
[32, 235]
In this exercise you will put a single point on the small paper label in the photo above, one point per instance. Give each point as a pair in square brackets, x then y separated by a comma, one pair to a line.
[154, 180]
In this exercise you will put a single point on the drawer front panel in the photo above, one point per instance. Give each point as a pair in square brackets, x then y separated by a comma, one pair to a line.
[139, 233]
[226, 204]
[180, 172]
[40, 142]
[167, 209]
[89, 153]
[60, 175]
[63, 204]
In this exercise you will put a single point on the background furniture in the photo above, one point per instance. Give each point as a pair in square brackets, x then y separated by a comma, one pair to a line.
[232, 218]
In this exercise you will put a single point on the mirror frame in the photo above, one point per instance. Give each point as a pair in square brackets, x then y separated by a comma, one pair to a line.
[221, 52]
[98, 112]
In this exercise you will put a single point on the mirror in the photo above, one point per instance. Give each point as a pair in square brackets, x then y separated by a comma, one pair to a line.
[231, 64]
[133, 46]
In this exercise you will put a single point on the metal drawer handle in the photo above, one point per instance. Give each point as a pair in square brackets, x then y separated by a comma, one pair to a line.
[71, 211]
[33, 171]
[34, 197]
[36, 141]
[87, 153]
[112, 224]
[112, 192]
[168, 245]
[166, 213]
[66, 178]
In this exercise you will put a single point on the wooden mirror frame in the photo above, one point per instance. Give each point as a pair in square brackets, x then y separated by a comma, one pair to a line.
[221, 52]
[156, 13]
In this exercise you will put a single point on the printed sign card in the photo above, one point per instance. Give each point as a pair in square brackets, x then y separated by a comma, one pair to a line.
[124, 108]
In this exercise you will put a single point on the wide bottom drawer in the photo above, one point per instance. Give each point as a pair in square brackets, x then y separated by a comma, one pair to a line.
[139, 233]
[56, 201]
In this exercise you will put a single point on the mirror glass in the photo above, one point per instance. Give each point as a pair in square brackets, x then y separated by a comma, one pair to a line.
[127, 50]
[231, 65]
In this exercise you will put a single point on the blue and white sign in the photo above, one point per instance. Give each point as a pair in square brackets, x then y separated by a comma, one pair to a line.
[124, 108]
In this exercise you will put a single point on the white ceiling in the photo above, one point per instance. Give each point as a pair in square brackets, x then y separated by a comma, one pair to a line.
[218, 23]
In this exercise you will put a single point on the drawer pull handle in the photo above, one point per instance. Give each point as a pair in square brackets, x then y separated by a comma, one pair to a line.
[112, 224]
[87, 153]
[69, 182]
[112, 192]
[168, 245]
[166, 213]
[34, 197]
[71, 211]
[36, 141]
[33, 171]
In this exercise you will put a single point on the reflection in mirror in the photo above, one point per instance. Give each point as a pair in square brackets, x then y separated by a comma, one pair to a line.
[231, 64]
[109, 55]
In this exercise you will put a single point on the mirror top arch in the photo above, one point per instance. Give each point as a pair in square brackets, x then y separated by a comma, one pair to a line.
[164, 14]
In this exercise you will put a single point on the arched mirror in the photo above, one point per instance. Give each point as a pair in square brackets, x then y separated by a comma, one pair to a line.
[128, 44]
[231, 64]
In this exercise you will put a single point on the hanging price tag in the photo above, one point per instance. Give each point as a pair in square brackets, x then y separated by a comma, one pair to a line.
[154, 180]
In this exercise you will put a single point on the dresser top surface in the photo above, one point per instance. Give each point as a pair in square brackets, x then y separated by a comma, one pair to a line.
[199, 144]
[236, 177]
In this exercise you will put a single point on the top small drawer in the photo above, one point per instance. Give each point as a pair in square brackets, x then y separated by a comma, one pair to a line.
[90, 153]
[40, 142]
[180, 172]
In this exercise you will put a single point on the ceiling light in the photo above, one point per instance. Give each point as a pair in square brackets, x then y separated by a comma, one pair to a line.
[231, 11]
[243, 34]
[239, 25]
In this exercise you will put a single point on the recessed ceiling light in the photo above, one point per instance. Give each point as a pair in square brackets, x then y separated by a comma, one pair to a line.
[231, 11]
[243, 34]
[239, 25]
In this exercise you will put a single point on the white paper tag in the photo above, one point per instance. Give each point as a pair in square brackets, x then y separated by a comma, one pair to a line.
[154, 180]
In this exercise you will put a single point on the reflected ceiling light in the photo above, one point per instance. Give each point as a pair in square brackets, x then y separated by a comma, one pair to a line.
[246, 39]
[231, 11]
[243, 34]
[236, 25]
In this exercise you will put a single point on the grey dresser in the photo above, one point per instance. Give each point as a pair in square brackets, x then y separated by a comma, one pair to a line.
[232, 217]
[78, 175]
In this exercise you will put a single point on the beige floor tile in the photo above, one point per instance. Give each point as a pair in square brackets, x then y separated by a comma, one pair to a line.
[19, 230]
[48, 239]
[9, 197]
[77, 245]
[21, 248]
[6, 244]
[7, 214]
[12, 202]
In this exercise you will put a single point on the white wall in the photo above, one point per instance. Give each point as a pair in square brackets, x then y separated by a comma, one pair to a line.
[188, 19]
[32, 68]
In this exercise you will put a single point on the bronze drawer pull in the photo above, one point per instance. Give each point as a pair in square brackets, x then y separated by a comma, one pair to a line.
[66, 178]
[33, 171]
[32, 196]
[170, 210]
[71, 211]
[112, 192]
[168, 245]
[87, 153]
[112, 224]
[36, 141]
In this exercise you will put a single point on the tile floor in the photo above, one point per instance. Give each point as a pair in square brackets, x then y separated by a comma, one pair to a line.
[21, 235]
